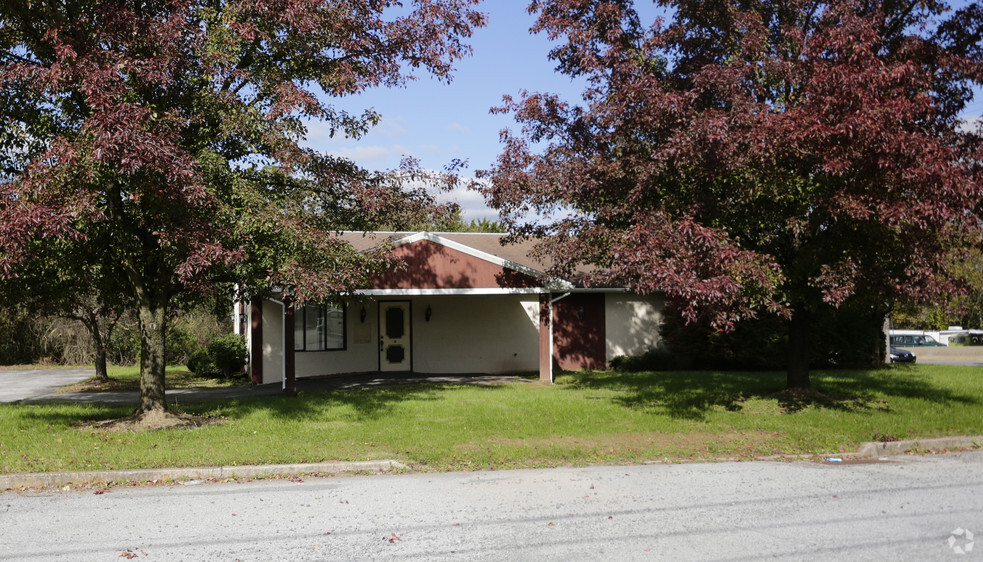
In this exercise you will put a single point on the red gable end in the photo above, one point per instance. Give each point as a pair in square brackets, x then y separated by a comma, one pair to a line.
[428, 265]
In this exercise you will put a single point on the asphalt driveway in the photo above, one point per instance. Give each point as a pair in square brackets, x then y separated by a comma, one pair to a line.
[23, 384]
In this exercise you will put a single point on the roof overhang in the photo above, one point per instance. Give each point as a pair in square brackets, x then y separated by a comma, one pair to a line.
[483, 291]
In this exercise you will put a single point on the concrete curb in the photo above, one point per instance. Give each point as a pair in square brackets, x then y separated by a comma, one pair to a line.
[59, 479]
[889, 448]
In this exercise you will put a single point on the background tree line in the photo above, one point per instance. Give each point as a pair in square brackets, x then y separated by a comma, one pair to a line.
[27, 338]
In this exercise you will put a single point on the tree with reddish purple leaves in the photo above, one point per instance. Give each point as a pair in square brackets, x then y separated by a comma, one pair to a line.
[164, 137]
[751, 158]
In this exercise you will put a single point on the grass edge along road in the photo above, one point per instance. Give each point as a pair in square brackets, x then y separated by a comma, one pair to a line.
[587, 417]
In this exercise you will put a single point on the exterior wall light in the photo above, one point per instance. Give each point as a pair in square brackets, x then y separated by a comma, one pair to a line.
[362, 314]
[429, 313]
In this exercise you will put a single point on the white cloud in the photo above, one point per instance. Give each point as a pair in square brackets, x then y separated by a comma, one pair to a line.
[457, 128]
[430, 149]
[319, 133]
[971, 123]
[390, 128]
[472, 204]
[363, 154]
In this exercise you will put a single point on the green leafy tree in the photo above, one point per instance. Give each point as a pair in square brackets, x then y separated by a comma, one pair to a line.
[165, 136]
[963, 309]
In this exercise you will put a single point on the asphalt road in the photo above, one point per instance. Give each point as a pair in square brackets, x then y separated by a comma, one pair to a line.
[908, 509]
[17, 385]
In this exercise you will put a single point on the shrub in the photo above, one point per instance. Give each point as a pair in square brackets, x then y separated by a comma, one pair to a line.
[181, 345]
[849, 336]
[651, 360]
[228, 353]
[200, 363]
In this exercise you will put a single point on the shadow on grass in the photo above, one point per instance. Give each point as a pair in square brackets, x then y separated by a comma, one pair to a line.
[367, 403]
[68, 414]
[692, 394]
[682, 395]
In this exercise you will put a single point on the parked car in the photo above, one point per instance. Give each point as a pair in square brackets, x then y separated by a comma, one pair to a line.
[902, 356]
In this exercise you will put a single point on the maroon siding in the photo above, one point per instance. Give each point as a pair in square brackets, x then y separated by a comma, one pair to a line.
[545, 367]
[289, 354]
[256, 325]
[579, 343]
[434, 266]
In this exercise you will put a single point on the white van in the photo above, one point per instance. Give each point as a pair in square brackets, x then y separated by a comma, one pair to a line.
[913, 338]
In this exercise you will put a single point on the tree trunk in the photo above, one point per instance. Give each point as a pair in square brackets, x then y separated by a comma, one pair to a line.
[153, 334]
[90, 320]
[798, 350]
[101, 371]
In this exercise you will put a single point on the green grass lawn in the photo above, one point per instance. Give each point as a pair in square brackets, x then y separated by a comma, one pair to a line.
[585, 418]
[128, 378]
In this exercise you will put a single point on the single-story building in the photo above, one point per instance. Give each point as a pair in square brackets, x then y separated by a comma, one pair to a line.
[462, 303]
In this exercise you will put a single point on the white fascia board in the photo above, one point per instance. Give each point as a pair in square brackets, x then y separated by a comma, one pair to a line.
[482, 291]
[436, 292]
[598, 290]
[478, 291]
[491, 258]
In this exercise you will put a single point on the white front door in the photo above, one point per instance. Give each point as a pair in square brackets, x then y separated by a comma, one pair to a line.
[394, 336]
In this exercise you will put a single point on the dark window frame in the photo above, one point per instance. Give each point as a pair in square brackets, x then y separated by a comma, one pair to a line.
[300, 319]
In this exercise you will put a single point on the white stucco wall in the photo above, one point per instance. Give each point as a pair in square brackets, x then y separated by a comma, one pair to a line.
[631, 323]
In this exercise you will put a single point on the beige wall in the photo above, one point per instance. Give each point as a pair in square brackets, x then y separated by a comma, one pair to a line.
[361, 353]
[465, 334]
[476, 334]
[631, 323]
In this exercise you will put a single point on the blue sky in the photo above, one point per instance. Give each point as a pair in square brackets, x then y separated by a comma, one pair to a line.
[437, 122]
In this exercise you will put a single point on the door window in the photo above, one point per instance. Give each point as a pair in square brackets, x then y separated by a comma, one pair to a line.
[394, 323]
